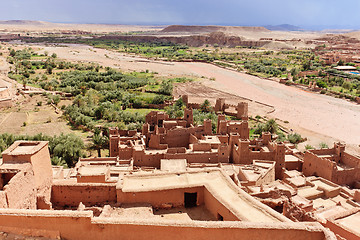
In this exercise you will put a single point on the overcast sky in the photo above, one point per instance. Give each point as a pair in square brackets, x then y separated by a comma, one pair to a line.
[304, 13]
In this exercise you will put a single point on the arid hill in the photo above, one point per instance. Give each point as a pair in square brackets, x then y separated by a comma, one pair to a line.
[23, 22]
[209, 29]
[353, 34]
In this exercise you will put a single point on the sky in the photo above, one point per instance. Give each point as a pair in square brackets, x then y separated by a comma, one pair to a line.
[309, 14]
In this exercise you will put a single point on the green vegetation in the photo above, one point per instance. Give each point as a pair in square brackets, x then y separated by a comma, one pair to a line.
[294, 138]
[323, 145]
[64, 149]
[308, 147]
[258, 62]
[100, 95]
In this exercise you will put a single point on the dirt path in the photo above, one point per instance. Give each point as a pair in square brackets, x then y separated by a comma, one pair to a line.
[320, 118]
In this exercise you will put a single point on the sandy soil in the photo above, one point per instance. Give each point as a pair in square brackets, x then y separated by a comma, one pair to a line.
[38, 119]
[320, 118]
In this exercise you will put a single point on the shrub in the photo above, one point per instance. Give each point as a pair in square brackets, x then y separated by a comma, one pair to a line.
[294, 138]
[321, 84]
[308, 147]
[323, 145]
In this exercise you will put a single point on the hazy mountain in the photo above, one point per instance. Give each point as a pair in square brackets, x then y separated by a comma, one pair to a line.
[283, 27]
[23, 22]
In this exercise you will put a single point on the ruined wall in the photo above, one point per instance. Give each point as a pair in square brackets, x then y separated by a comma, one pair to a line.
[88, 194]
[350, 160]
[267, 178]
[314, 165]
[20, 192]
[41, 164]
[81, 225]
[175, 197]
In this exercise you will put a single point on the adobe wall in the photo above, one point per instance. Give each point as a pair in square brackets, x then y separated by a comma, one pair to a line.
[43, 173]
[343, 232]
[91, 179]
[3, 200]
[153, 160]
[4, 93]
[197, 157]
[142, 159]
[346, 176]
[80, 225]
[88, 194]
[215, 207]
[350, 160]
[314, 165]
[20, 192]
[323, 151]
[268, 177]
[4, 103]
[158, 198]
[114, 146]
[177, 137]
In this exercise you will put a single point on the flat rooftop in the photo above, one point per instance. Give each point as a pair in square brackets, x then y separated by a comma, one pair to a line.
[25, 147]
[236, 200]
[173, 165]
[93, 170]
[351, 222]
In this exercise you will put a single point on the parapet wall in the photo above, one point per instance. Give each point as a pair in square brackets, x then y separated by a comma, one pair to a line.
[81, 225]
[175, 197]
[89, 194]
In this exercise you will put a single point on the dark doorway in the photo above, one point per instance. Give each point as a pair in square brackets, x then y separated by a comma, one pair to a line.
[220, 218]
[279, 208]
[190, 199]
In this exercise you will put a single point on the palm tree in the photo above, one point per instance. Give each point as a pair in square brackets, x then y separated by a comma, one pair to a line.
[206, 106]
[271, 126]
[99, 142]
